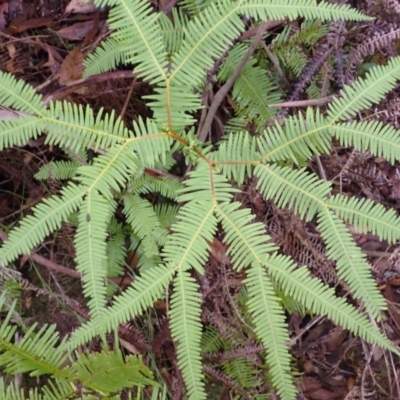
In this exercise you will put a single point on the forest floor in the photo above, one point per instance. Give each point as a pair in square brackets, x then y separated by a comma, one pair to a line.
[44, 42]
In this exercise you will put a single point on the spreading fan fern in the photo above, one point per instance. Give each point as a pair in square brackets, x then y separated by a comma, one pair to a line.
[173, 239]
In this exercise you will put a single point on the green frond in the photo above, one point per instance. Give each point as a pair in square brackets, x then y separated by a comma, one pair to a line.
[91, 256]
[116, 254]
[173, 29]
[109, 171]
[150, 144]
[20, 96]
[13, 392]
[172, 105]
[295, 189]
[321, 299]
[270, 328]
[57, 170]
[252, 90]
[189, 245]
[31, 354]
[135, 25]
[366, 216]
[248, 242]
[194, 7]
[186, 328]
[47, 217]
[365, 92]
[107, 56]
[145, 290]
[211, 340]
[236, 156]
[144, 263]
[266, 10]
[207, 37]
[108, 372]
[73, 126]
[18, 131]
[167, 214]
[142, 218]
[379, 139]
[351, 263]
[242, 371]
[167, 187]
[298, 140]
[58, 389]
[205, 184]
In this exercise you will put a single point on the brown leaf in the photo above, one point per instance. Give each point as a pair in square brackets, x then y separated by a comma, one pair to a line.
[18, 26]
[72, 67]
[76, 31]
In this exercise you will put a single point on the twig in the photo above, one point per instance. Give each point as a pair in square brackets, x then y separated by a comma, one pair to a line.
[223, 91]
[303, 103]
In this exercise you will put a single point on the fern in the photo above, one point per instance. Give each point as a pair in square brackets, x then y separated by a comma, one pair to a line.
[173, 238]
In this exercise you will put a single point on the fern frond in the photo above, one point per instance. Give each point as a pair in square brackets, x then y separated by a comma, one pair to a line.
[252, 90]
[142, 294]
[236, 155]
[186, 329]
[173, 29]
[145, 290]
[351, 263]
[57, 170]
[58, 389]
[242, 371]
[248, 242]
[150, 144]
[91, 256]
[270, 328]
[106, 57]
[379, 139]
[265, 10]
[166, 214]
[188, 246]
[206, 185]
[298, 141]
[167, 187]
[13, 392]
[366, 216]
[206, 39]
[73, 126]
[134, 25]
[16, 94]
[116, 254]
[32, 353]
[108, 372]
[47, 217]
[365, 92]
[321, 299]
[18, 131]
[144, 222]
[295, 189]
[109, 171]
[172, 104]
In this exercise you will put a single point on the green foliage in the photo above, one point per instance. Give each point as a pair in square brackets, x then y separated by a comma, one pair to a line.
[101, 373]
[174, 56]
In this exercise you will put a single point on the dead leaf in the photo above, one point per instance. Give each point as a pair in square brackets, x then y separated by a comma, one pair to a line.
[76, 31]
[18, 25]
[72, 67]
[81, 7]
